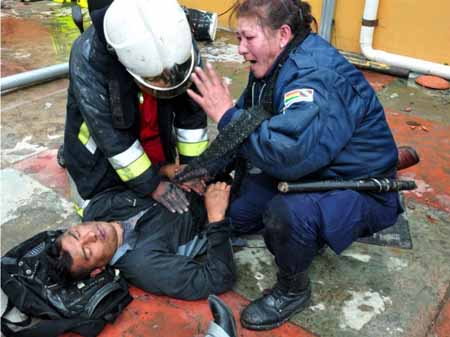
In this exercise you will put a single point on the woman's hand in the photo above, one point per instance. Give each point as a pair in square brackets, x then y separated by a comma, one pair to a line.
[214, 98]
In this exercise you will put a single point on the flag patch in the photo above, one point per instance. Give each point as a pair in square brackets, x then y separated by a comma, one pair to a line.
[298, 95]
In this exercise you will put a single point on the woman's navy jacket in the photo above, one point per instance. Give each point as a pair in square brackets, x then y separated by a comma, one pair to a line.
[327, 121]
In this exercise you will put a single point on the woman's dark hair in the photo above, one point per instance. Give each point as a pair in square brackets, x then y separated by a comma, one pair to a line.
[60, 265]
[275, 13]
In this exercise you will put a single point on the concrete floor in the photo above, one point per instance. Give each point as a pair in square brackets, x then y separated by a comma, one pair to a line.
[367, 291]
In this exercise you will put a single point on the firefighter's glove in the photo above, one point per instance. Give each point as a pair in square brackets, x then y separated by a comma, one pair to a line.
[171, 196]
[187, 173]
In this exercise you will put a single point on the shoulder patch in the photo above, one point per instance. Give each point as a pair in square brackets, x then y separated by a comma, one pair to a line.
[298, 95]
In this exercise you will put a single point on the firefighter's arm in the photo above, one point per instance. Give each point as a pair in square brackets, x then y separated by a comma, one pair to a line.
[190, 128]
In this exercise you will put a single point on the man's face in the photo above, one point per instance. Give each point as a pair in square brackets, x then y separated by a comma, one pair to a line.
[92, 244]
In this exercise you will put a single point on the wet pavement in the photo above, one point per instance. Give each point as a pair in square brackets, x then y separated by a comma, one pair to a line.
[367, 291]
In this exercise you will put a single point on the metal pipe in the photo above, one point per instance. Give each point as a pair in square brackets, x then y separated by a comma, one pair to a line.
[366, 39]
[28, 78]
[326, 20]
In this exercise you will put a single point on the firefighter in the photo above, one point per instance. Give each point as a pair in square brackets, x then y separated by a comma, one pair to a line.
[128, 116]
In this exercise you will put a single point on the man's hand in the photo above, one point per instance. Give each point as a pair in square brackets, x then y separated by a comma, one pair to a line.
[170, 170]
[172, 197]
[214, 98]
[217, 198]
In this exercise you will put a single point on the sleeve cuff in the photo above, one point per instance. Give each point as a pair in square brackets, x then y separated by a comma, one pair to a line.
[219, 231]
[226, 118]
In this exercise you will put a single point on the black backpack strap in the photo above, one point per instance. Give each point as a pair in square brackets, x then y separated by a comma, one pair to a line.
[54, 328]
[9, 307]
[49, 328]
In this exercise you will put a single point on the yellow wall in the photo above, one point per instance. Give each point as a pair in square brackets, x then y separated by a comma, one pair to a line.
[414, 28]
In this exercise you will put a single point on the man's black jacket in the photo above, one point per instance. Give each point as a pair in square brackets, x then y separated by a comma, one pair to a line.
[153, 264]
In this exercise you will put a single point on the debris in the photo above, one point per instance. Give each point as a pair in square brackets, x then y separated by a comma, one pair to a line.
[424, 128]
[259, 276]
[395, 95]
[318, 307]
[433, 82]
[431, 219]
[413, 123]
[407, 109]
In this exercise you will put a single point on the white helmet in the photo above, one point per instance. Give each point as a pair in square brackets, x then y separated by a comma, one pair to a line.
[152, 39]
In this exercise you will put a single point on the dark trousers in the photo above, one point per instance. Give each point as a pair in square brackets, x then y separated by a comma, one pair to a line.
[296, 225]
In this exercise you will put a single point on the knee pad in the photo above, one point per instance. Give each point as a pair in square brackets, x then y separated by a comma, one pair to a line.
[290, 217]
[277, 221]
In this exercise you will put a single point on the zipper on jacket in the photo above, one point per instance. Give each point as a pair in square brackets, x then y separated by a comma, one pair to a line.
[260, 93]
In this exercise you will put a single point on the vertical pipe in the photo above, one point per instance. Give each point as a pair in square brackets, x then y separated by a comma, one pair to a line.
[326, 20]
[369, 23]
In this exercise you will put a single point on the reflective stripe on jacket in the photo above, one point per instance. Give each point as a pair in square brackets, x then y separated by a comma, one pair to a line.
[191, 143]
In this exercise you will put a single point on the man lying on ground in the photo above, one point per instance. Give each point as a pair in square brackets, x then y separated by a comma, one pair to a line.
[153, 248]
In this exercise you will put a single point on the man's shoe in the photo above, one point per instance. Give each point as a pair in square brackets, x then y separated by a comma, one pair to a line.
[276, 307]
[223, 323]
[407, 157]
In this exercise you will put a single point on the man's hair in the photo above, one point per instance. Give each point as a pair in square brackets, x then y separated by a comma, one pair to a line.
[60, 264]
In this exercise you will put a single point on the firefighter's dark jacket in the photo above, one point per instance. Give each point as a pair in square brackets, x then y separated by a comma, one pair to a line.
[153, 263]
[101, 146]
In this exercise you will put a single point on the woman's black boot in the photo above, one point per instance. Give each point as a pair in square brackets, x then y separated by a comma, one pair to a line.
[290, 295]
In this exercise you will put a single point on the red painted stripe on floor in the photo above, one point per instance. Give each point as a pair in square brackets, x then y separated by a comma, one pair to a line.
[44, 168]
[442, 326]
[378, 81]
[431, 141]
[159, 316]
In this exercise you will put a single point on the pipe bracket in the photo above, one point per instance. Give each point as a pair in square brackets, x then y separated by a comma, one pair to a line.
[370, 23]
